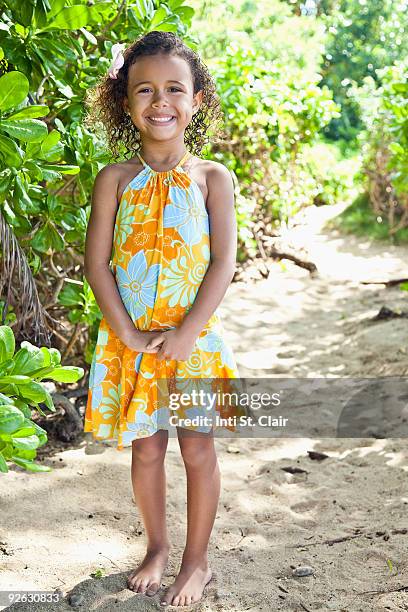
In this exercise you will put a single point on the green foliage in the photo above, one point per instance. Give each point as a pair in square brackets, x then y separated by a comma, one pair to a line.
[273, 113]
[360, 219]
[51, 53]
[364, 36]
[331, 173]
[266, 62]
[385, 147]
[21, 390]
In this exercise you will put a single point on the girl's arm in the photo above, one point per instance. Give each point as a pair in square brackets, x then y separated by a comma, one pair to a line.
[223, 237]
[98, 249]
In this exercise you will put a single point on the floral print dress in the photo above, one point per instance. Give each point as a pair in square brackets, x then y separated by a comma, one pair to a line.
[161, 251]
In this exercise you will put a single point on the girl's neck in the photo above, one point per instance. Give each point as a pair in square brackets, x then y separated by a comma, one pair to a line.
[162, 154]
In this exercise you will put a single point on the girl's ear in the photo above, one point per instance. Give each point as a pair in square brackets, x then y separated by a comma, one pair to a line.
[197, 99]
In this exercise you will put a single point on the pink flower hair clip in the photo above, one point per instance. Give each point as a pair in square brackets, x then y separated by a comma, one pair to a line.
[118, 60]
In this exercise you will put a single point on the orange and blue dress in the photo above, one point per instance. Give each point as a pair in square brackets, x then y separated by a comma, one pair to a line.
[161, 251]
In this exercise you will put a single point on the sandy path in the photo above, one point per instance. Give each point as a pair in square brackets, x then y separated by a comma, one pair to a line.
[60, 527]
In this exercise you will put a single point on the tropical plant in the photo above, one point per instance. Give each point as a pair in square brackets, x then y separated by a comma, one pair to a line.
[49, 54]
[21, 390]
[385, 145]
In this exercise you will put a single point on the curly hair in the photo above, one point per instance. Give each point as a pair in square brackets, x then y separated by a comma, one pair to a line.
[105, 100]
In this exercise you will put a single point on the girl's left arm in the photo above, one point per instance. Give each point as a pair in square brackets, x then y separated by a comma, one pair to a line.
[223, 239]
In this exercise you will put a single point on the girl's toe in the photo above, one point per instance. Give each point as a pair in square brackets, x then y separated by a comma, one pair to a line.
[152, 589]
[142, 587]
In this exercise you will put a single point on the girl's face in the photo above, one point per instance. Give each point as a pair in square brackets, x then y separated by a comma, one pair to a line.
[161, 86]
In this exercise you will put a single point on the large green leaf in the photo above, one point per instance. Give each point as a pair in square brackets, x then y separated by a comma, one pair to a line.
[7, 343]
[3, 464]
[11, 419]
[29, 465]
[33, 391]
[15, 379]
[143, 9]
[70, 18]
[27, 443]
[48, 237]
[28, 359]
[51, 148]
[27, 130]
[30, 112]
[13, 89]
[63, 168]
[21, 199]
[67, 374]
[159, 16]
[12, 154]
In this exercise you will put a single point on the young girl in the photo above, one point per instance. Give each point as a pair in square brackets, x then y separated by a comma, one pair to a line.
[159, 297]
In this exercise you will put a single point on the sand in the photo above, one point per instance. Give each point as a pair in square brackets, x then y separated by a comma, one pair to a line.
[344, 516]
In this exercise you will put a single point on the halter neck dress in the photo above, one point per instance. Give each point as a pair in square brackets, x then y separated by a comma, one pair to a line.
[161, 251]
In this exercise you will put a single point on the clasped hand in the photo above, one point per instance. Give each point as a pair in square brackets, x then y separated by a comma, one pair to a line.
[170, 344]
[174, 344]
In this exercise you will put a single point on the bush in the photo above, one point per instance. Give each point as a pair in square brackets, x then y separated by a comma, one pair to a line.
[21, 390]
[385, 145]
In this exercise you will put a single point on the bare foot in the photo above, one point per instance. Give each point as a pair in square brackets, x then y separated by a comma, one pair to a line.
[189, 585]
[146, 578]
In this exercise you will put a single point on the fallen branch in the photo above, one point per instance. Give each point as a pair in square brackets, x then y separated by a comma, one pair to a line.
[404, 588]
[330, 542]
[388, 283]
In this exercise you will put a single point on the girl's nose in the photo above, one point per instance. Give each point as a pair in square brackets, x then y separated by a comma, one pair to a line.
[159, 98]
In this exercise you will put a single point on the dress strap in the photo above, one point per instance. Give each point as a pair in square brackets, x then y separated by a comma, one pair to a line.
[180, 163]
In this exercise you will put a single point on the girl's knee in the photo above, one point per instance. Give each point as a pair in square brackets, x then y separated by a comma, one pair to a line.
[197, 453]
[149, 450]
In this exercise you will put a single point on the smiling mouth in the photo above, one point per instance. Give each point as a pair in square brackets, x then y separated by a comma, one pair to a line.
[161, 122]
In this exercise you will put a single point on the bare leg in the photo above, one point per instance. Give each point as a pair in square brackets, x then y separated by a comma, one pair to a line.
[149, 488]
[203, 491]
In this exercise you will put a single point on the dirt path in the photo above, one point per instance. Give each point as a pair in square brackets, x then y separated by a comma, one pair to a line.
[60, 527]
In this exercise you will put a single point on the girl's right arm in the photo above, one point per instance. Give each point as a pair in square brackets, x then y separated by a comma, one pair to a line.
[98, 249]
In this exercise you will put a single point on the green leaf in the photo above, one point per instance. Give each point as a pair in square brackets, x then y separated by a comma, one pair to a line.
[167, 26]
[185, 13]
[3, 464]
[10, 152]
[24, 407]
[51, 146]
[27, 130]
[20, 197]
[11, 419]
[16, 379]
[159, 16]
[63, 168]
[26, 430]
[48, 237]
[27, 443]
[143, 9]
[28, 359]
[14, 88]
[30, 112]
[71, 295]
[41, 433]
[67, 374]
[70, 18]
[27, 454]
[33, 391]
[89, 36]
[7, 343]
[29, 465]
[174, 4]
